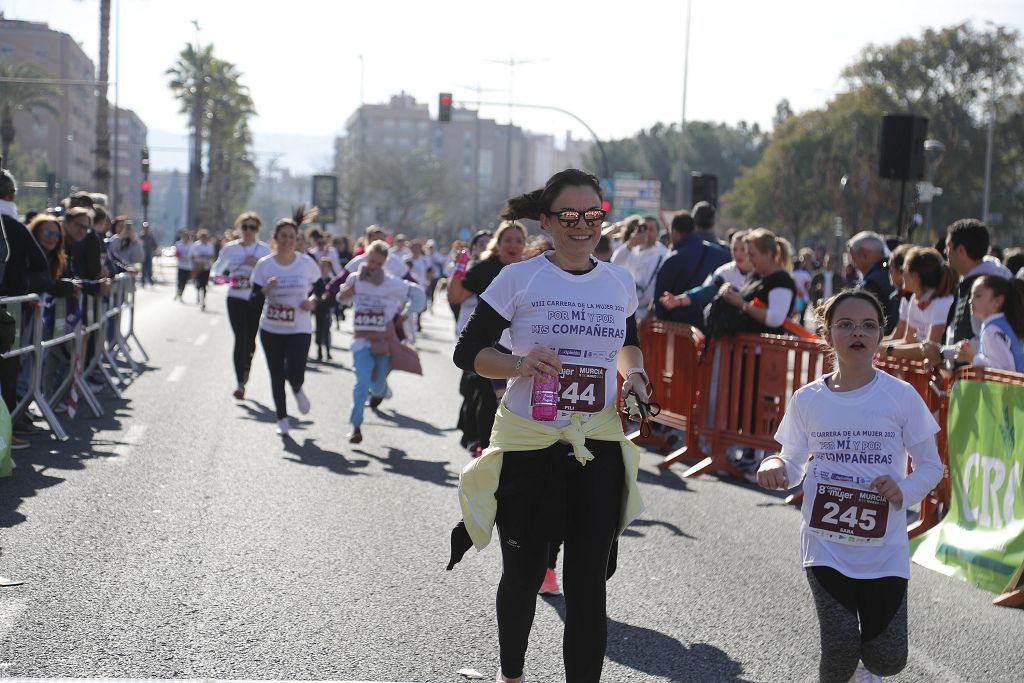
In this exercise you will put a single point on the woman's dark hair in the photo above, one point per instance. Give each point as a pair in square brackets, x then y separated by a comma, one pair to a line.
[1014, 259]
[899, 256]
[57, 257]
[826, 310]
[1012, 291]
[285, 223]
[929, 265]
[533, 204]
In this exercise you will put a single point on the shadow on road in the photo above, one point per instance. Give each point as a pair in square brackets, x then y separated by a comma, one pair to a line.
[36, 466]
[660, 477]
[310, 454]
[657, 654]
[398, 461]
[632, 529]
[406, 422]
[261, 413]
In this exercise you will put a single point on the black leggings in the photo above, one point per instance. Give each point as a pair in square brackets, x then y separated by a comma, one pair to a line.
[245, 323]
[322, 316]
[286, 359]
[878, 638]
[184, 275]
[535, 509]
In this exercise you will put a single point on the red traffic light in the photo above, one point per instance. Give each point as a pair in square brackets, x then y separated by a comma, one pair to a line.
[144, 186]
[446, 99]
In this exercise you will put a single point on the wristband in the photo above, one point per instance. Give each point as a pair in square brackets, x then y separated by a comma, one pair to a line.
[638, 371]
[519, 364]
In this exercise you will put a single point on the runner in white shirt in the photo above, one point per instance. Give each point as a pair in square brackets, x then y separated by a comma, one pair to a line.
[377, 297]
[286, 285]
[237, 260]
[643, 262]
[931, 284]
[184, 261]
[202, 253]
[847, 436]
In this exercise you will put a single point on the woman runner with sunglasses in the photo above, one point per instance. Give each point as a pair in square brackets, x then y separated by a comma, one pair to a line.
[237, 259]
[573, 477]
[847, 436]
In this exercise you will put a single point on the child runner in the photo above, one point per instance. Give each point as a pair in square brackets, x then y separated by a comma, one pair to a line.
[999, 304]
[847, 435]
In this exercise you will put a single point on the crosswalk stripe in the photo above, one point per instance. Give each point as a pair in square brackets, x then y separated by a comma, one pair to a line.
[202, 339]
[176, 374]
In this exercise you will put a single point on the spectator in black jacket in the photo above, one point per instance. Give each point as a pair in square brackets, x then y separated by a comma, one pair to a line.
[692, 260]
[24, 270]
[867, 252]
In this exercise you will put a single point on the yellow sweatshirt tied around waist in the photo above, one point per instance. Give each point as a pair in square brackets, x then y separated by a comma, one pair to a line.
[478, 481]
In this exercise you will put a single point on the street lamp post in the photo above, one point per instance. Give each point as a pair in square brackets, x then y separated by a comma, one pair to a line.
[927, 192]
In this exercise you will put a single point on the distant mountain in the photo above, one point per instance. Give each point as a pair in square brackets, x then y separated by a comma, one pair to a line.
[300, 154]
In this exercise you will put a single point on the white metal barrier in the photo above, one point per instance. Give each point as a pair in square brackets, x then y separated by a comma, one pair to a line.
[103, 326]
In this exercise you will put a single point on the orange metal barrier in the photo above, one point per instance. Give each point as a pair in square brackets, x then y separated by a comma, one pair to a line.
[671, 351]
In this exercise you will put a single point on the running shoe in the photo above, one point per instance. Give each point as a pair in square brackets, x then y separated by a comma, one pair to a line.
[302, 400]
[550, 585]
[862, 675]
[282, 427]
[355, 436]
[501, 679]
[239, 393]
[375, 401]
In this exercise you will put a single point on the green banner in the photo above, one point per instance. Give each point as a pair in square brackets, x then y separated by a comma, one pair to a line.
[5, 440]
[981, 538]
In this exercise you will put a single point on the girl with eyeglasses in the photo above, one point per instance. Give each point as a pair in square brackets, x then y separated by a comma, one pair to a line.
[847, 435]
[571, 478]
[237, 259]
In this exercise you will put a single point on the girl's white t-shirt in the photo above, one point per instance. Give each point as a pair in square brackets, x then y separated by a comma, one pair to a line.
[924, 319]
[202, 254]
[232, 261]
[182, 254]
[375, 305]
[582, 318]
[282, 308]
[840, 442]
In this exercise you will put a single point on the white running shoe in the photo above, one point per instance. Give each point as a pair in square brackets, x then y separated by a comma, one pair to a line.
[862, 675]
[282, 427]
[302, 400]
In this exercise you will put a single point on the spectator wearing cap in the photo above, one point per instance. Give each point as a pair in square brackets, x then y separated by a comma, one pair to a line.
[23, 269]
[867, 254]
[691, 261]
[704, 218]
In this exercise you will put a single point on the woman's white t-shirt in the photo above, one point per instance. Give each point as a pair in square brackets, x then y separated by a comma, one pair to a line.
[232, 261]
[282, 308]
[934, 313]
[582, 318]
[202, 254]
[840, 442]
[181, 253]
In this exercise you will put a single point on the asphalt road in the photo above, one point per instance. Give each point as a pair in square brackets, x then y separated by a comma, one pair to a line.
[178, 537]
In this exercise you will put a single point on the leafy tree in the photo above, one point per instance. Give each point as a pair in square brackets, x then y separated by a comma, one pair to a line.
[411, 186]
[18, 92]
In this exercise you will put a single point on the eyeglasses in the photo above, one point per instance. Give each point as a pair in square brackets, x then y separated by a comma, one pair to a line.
[250, 226]
[568, 218]
[847, 327]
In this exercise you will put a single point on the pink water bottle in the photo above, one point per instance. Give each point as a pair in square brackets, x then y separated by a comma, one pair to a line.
[545, 397]
[461, 259]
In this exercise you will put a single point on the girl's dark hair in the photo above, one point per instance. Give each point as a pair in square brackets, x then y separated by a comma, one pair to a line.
[533, 204]
[1012, 291]
[285, 223]
[928, 264]
[899, 255]
[826, 310]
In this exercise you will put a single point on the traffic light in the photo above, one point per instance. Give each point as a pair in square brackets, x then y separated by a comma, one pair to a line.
[145, 186]
[444, 107]
[145, 162]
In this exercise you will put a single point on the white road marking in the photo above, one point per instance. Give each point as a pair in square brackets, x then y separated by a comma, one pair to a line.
[176, 373]
[202, 339]
[10, 610]
[214, 321]
[131, 438]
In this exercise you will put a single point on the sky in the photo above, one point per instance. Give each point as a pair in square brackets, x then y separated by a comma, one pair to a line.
[617, 65]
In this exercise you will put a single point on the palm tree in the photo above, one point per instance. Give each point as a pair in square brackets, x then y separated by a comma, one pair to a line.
[190, 77]
[102, 171]
[228, 138]
[18, 92]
